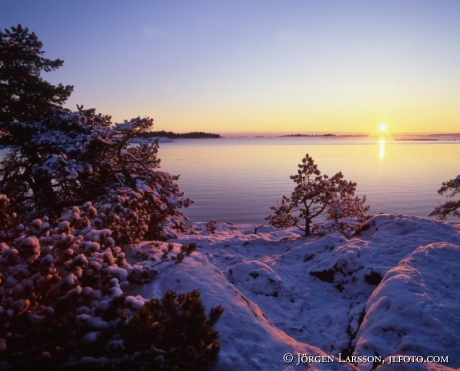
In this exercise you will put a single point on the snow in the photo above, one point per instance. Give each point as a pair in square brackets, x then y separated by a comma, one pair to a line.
[393, 290]
[90, 337]
[118, 272]
[429, 280]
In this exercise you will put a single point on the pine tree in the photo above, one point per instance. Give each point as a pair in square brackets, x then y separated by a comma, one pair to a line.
[24, 95]
[450, 189]
[58, 159]
[72, 158]
[312, 195]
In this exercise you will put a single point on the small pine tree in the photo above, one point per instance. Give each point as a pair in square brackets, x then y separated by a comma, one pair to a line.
[178, 327]
[450, 189]
[312, 195]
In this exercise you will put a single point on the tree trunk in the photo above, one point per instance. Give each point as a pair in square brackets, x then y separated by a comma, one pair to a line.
[307, 227]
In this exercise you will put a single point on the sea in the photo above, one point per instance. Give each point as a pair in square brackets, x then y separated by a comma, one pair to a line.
[237, 180]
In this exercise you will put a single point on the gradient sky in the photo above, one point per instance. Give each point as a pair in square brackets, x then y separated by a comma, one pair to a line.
[290, 66]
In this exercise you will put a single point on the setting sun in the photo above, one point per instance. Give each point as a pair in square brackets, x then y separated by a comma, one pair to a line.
[383, 127]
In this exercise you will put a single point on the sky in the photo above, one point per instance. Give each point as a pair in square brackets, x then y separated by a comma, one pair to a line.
[254, 66]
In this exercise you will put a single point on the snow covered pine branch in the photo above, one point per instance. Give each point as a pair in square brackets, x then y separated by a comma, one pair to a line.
[450, 189]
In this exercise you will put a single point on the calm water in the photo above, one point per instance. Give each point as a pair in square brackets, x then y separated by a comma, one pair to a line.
[238, 179]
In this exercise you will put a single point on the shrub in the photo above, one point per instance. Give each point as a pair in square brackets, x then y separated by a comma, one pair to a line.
[211, 226]
[450, 189]
[61, 299]
[312, 195]
[182, 333]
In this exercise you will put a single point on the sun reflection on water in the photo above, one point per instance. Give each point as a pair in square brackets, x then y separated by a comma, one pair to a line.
[382, 142]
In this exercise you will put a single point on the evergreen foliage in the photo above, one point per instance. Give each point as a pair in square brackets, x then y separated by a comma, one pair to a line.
[313, 194]
[24, 95]
[61, 276]
[183, 334]
[348, 207]
[211, 226]
[61, 302]
[8, 219]
[71, 158]
[58, 159]
[450, 189]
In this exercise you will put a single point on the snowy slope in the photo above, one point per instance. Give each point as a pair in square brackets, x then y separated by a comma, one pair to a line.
[414, 311]
[393, 290]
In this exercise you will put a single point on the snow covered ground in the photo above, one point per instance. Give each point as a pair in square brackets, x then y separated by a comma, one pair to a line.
[391, 292]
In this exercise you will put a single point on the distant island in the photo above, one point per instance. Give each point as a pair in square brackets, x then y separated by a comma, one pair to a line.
[324, 135]
[444, 135]
[171, 135]
[418, 139]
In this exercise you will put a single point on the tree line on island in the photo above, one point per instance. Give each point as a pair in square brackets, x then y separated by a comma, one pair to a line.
[328, 135]
[171, 135]
[75, 197]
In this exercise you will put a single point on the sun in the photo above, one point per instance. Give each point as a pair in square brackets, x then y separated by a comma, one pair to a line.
[383, 127]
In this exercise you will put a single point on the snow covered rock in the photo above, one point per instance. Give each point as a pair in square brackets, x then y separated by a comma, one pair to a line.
[255, 276]
[328, 292]
[414, 311]
[249, 340]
